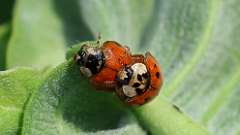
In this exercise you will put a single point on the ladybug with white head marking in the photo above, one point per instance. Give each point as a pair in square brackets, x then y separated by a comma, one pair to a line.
[91, 60]
[101, 63]
[141, 81]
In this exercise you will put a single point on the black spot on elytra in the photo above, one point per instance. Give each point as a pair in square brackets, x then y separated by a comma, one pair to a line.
[147, 99]
[135, 85]
[139, 91]
[155, 65]
[158, 75]
[139, 77]
[177, 108]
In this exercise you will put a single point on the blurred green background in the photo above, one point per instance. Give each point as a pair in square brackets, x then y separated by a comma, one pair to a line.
[197, 44]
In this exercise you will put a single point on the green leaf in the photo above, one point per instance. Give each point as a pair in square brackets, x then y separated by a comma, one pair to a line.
[4, 37]
[67, 104]
[197, 45]
[123, 21]
[75, 28]
[149, 114]
[169, 120]
[42, 30]
[15, 88]
[6, 8]
[38, 36]
[205, 82]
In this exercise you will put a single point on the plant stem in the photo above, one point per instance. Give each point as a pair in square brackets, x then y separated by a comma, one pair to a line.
[163, 118]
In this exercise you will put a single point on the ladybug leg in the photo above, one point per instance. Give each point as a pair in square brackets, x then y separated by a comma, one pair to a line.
[137, 58]
[126, 48]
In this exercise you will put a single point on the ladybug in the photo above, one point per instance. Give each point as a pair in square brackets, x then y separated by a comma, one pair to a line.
[101, 63]
[140, 81]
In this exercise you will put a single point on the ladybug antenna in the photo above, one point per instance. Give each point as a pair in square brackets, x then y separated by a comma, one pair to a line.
[99, 37]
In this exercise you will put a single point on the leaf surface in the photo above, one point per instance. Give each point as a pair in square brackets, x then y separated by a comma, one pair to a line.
[67, 104]
[16, 86]
[196, 43]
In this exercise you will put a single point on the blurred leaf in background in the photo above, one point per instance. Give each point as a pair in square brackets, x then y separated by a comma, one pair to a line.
[196, 43]
[37, 38]
[6, 8]
[4, 37]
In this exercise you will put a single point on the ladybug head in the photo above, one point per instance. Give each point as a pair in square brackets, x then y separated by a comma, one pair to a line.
[90, 59]
[133, 80]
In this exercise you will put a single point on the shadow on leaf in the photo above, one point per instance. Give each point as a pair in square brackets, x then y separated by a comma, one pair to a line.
[74, 27]
[66, 101]
[89, 109]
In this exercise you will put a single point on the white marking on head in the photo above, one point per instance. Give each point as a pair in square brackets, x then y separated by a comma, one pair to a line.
[138, 69]
[92, 51]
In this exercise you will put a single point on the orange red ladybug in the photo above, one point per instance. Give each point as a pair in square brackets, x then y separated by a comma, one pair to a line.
[136, 79]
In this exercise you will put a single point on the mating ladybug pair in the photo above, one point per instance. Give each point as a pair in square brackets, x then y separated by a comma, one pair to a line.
[136, 79]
